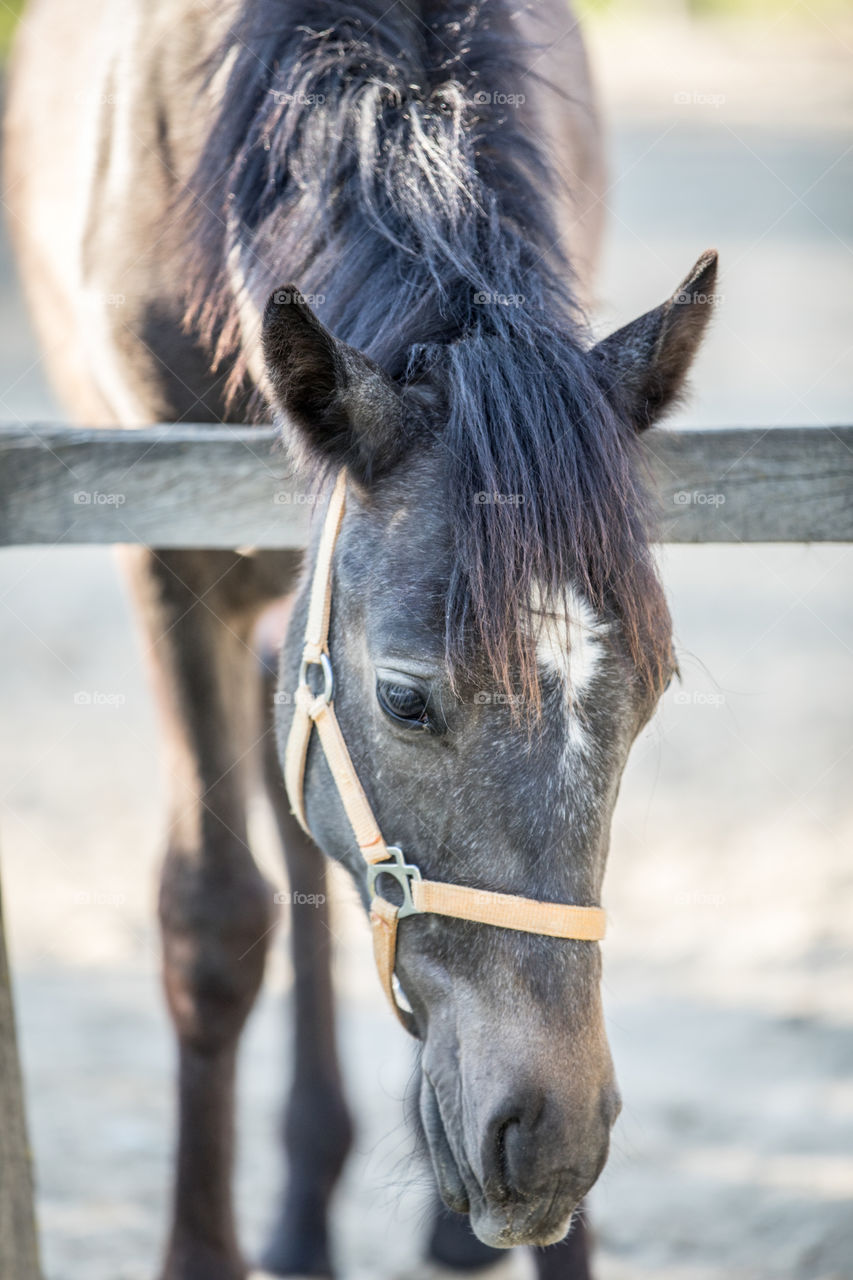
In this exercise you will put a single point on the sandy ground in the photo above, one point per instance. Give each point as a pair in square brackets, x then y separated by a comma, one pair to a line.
[729, 967]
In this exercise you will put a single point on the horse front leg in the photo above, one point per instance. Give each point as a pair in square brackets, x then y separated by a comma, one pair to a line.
[570, 1258]
[316, 1130]
[216, 910]
[213, 918]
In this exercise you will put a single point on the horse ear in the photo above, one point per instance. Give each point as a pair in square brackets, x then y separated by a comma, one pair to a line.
[340, 406]
[642, 367]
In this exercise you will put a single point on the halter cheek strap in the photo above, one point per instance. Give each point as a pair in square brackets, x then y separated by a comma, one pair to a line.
[316, 710]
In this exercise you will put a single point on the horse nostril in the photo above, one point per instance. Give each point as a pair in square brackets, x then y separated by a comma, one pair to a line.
[504, 1180]
[532, 1141]
[507, 1149]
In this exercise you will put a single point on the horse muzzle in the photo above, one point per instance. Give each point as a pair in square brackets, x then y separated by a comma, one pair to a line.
[521, 1170]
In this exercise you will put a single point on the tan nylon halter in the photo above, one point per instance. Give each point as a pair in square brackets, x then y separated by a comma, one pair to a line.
[506, 911]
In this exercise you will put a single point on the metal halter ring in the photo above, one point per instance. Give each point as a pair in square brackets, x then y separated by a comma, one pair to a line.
[325, 662]
[403, 872]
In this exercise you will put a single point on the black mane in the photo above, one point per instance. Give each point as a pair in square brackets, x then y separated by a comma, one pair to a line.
[382, 164]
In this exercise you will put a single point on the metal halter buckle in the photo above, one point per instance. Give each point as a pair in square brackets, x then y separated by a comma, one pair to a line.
[325, 662]
[403, 872]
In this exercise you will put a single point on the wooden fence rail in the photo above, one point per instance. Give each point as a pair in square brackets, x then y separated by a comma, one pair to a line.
[213, 486]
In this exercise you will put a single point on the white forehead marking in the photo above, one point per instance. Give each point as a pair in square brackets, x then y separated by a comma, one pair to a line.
[574, 662]
[569, 645]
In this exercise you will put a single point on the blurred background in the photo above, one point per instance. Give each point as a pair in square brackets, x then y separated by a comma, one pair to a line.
[729, 966]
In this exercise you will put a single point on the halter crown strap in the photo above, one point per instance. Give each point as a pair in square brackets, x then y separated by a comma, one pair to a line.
[502, 910]
[317, 709]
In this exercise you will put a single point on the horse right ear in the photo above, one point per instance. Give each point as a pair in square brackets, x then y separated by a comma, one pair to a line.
[643, 366]
[337, 405]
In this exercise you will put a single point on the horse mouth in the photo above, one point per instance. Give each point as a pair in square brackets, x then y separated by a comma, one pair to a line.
[495, 1219]
[451, 1184]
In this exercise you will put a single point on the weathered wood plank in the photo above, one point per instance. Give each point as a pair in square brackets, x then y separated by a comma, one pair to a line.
[753, 484]
[167, 486]
[18, 1246]
[211, 486]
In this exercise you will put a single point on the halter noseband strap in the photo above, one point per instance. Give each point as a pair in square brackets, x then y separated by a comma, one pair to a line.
[503, 910]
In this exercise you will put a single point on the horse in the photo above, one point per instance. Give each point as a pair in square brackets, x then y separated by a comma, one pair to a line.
[379, 224]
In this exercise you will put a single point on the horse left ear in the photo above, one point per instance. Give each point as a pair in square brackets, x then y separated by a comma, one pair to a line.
[642, 367]
[340, 406]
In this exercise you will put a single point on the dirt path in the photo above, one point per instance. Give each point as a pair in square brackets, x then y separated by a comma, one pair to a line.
[729, 971]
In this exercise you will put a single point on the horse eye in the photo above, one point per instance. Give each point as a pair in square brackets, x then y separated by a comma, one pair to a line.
[403, 704]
